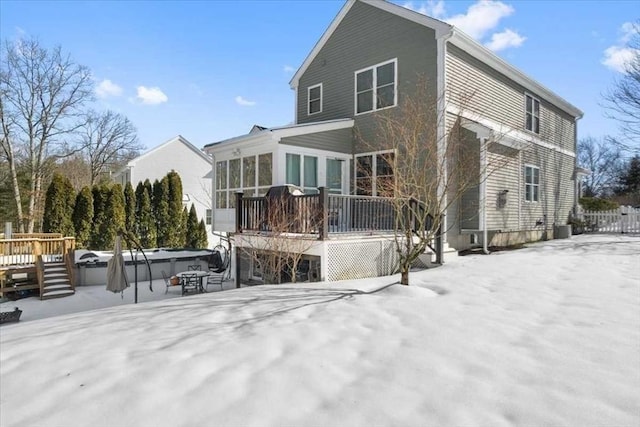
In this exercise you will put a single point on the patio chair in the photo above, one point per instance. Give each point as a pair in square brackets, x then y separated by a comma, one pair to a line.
[194, 267]
[167, 281]
[218, 265]
[190, 283]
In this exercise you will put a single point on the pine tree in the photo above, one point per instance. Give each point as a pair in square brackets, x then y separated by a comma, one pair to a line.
[145, 224]
[130, 208]
[114, 215]
[185, 219]
[203, 240]
[58, 207]
[176, 235]
[83, 217]
[192, 228]
[161, 211]
[100, 195]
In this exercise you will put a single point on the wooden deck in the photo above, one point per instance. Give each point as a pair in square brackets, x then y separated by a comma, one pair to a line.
[24, 258]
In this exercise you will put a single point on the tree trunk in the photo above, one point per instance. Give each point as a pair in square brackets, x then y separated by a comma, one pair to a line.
[404, 275]
[16, 193]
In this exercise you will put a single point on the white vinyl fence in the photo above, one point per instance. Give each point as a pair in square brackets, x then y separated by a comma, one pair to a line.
[625, 219]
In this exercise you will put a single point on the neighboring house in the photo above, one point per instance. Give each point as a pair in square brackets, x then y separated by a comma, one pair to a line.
[372, 55]
[191, 163]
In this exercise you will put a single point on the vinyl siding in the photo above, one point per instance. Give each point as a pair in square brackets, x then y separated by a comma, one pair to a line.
[503, 174]
[367, 36]
[340, 141]
[556, 187]
[476, 87]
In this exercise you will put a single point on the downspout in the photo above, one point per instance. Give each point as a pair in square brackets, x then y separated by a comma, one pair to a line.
[441, 129]
[483, 194]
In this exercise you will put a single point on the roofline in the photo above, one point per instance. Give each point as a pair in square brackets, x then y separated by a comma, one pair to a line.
[174, 139]
[280, 132]
[457, 37]
[478, 51]
[439, 26]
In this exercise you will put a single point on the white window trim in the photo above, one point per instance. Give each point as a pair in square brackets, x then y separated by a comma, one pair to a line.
[524, 176]
[309, 113]
[374, 167]
[375, 87]
[533, 99]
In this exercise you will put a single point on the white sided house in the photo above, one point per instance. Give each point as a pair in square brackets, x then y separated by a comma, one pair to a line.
[371, 56]
[191, 163]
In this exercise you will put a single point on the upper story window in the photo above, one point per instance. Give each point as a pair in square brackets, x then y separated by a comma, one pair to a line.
[531, 183]
[376, 87]
[314, 95]
[532, 114]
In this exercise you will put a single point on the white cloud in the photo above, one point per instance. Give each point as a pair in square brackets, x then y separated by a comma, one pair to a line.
[432, 8]
[481, 17]
[107, 88]
[506, 39]
[246, 103]
[480, 20]
[150, 95]
[288, 69]
[618, 56]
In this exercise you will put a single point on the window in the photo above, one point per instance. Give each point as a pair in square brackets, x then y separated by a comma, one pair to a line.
[314, 94]
[249, 175]
[303, 172]
[293, 169]
[374, 174]
[334, 176]
[265, 172]
[531, 183]
[221, 185]
[376, 87]
[234, 181]
[532, 114]
[208, 217]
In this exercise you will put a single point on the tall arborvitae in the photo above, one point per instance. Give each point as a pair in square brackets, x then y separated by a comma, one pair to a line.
[203, 239]
[100, 195]
[129, 208]
[58, 206]
[83, 217]
[192, 228]
[177, 230]
[161, 211]
[185, 218]
[114, 216]
[145, 224]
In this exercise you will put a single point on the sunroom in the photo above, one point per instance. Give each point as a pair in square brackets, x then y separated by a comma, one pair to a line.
[308, 156]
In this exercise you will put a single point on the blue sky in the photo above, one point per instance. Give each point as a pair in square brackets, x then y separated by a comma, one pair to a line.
[209, 70]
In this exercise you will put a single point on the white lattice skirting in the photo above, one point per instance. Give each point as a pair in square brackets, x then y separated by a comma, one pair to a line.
[359, 259]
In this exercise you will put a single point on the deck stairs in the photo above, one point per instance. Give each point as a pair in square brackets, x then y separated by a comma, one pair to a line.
[55, 281]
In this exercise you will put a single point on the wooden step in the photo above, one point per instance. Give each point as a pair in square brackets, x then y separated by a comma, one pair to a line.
[57, 294]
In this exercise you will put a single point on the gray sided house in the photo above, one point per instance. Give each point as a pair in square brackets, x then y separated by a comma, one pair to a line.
[372, 56]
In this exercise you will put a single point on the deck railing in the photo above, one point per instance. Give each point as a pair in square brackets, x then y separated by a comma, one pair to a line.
[24, 251]
[321, 214]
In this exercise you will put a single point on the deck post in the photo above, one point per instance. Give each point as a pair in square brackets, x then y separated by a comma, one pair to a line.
[239, 212]
[439, 245]
[323, 204]
[238, 230]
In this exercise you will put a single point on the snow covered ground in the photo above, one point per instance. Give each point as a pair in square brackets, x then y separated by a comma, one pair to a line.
[547, 335]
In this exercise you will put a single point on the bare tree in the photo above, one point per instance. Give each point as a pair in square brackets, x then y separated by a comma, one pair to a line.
[603, 157]
[623, 100]
[109, 139]
[287, 224]
[428, 171]
[41, 95]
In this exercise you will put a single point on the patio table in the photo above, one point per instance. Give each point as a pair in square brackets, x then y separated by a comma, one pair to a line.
[200, 274]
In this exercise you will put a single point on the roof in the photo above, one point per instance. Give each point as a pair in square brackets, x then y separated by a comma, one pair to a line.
[453, 35]
[287, 131]
[173, 140]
